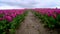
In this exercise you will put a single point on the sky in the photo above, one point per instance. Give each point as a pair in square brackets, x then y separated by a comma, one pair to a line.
[17, 4]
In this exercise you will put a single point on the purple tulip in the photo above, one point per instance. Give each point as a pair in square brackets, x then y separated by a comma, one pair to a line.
[13, 15]
[9, 14]
[1, 19]
[8, 18]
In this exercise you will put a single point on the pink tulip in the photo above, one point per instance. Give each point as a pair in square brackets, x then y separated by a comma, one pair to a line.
[9, 14]
[54, 15]
[1, 19]
[13, 15]
[8, 18]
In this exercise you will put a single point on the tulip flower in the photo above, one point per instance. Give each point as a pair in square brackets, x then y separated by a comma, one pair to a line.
[1, 19]
[8, 18]
[54, 15]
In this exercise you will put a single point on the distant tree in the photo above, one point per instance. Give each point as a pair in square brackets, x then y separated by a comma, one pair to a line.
[56, 7]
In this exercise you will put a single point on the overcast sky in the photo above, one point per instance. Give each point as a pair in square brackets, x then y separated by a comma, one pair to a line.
[14, 4]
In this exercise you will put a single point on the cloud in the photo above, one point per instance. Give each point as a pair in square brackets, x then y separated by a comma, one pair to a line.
[10, 7]
[29, 3]
[23, 4]
[46, 4]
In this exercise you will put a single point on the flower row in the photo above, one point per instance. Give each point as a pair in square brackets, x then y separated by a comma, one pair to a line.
[50, 17]
[10, 20]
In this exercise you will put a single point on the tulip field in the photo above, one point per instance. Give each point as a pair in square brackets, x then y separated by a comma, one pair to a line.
[10, 20]
[49, 17]
[29, 21]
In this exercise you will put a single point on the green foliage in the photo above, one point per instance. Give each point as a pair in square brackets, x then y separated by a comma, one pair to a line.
[1, 15]
[10, 27]
[58, 18]
[50, 22]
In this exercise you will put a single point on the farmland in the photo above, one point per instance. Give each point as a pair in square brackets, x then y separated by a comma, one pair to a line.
[30, 21]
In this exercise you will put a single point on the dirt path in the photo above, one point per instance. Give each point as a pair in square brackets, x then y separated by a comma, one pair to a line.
[29, 26]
